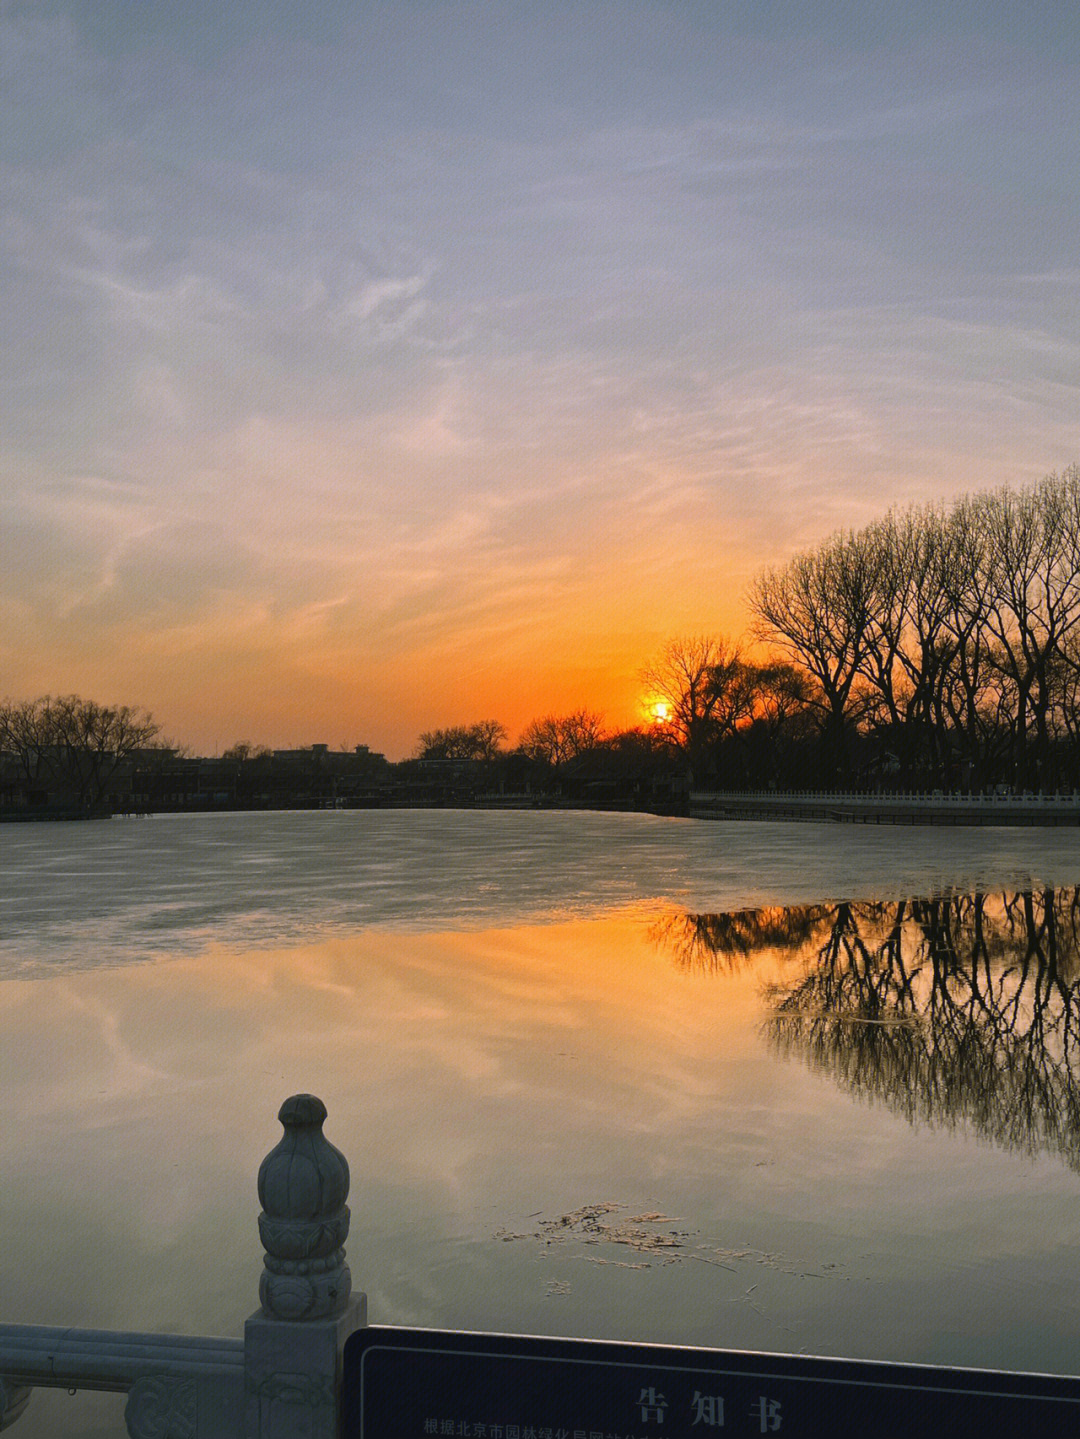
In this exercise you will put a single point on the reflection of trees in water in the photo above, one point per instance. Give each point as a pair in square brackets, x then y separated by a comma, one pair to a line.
[964, 1009]
[729, 942]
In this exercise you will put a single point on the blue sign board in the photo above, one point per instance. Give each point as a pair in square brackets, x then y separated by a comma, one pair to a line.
[435, 1384]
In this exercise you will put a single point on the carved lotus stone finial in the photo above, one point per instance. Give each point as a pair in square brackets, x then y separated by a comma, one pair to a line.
[303, 1185]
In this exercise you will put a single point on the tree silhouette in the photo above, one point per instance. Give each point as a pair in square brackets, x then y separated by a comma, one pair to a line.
[708, 690]
[71, 748]
[482, 740]
[556, 739]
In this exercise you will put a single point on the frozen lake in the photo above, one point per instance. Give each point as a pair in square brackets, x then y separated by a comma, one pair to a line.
[608, 1075]
[83, 895]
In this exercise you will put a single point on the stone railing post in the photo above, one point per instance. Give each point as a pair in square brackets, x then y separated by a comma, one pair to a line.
[293, 1343]
[283, 1380]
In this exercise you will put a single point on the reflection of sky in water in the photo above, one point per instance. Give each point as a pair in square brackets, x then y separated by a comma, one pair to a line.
[87, 894]
[486, 1081]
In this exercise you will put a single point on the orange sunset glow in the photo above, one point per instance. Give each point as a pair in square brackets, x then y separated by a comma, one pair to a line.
[370, 375]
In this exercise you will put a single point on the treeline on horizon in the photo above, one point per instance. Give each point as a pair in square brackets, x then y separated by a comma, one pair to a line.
[939, 646]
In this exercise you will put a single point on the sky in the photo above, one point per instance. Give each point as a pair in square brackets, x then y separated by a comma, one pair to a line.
[375, 367]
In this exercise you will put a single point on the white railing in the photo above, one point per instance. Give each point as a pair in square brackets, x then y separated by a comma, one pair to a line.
[283, 1379]
[162, 1375]
[927, 798]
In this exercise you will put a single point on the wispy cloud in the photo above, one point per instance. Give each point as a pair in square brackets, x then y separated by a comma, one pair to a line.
[471, 351]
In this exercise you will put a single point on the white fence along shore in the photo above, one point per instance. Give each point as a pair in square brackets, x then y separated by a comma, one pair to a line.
[905, 807]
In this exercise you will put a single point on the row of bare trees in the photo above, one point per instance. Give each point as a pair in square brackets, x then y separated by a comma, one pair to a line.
[727, 716]
[949, 633]
[553, 740]
[482, 740]
[937, 646]
[69, 750]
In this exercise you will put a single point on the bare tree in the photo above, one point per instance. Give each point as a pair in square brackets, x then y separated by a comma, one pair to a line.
[73, 748]
[244, 750]
[557, 739]
[911, 647]
[953, 632]
[818, 610]
[482, 740]
[1033, 548]
[971, 699]
[489, 737]
[781, 693]
[707, 689]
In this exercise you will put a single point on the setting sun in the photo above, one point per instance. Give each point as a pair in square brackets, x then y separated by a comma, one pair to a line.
[659, 711]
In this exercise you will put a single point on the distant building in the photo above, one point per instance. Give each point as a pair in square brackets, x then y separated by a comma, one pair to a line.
[280, 779]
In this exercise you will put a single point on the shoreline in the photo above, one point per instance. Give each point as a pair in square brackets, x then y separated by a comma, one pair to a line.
[1028, 811]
